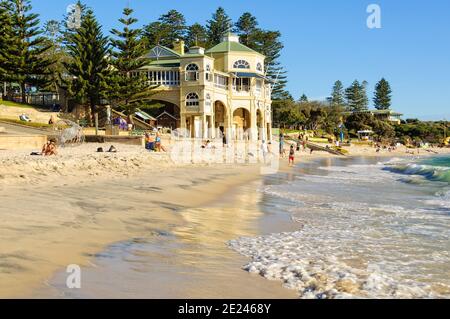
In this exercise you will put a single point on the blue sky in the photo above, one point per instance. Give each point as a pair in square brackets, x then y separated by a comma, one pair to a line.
[327, 40]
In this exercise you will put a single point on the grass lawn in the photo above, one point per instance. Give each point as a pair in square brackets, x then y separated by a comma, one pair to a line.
[318, 140]
[16, 104]
[30, 124]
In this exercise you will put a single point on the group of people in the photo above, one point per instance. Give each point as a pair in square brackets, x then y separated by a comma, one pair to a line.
[153, 142]
[122, 123]
[379, 147]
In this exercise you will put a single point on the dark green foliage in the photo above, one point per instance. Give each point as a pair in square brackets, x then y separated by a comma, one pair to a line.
[269, 44]
[156, 34]
[416, 131]
[219, 25]
[246, 27]
[366, 121]
[309, 115]
[128, 90]
[383, 95]
[197, 36]
[338, 94]
[169, 28]
[176, 23]
[23, 53]
[356, 96]
[5, 38]
[88, 67]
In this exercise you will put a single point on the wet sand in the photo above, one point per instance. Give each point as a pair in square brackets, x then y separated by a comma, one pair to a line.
[183, 260]
[46, 227]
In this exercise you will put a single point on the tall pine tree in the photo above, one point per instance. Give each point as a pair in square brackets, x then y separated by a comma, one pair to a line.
[383, 95]
[356, 96]
[5, 39]
[26, 61]
[169, 28]
[197, 36]
[269, 44]
[218, 26]
[155, 34]
[246, 27]
[337, 96]
[88, 67]
[129, 88]
[175, 22]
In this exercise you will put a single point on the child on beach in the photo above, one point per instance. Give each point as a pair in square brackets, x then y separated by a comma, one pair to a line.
[291, 156]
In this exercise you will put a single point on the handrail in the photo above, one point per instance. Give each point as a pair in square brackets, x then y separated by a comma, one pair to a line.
[136, 120]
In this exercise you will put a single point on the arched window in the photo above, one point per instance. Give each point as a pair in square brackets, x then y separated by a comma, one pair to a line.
[241, 64]
[259, 67]
[192, 72]
[209, 77]
[192, 99]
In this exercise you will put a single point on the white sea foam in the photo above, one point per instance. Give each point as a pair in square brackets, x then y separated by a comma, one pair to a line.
[351, 247]
[442, 199]
[297, 262]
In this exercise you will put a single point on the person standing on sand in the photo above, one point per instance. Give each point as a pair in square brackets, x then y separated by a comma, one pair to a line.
[291, 156]
[158, 141]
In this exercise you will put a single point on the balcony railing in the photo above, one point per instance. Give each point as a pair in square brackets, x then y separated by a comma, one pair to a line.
[166, 78]
[220, 81]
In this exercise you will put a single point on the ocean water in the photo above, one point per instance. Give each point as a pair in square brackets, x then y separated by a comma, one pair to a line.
[366, 228]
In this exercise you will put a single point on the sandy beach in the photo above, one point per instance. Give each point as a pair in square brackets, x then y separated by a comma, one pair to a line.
[63, 210]
[66, 209]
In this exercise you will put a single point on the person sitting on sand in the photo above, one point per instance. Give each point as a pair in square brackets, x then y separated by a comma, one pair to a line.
[149, 142]
[50, 148]
[291, 155]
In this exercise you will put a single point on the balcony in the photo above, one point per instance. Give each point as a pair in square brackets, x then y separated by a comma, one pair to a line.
[221, 82]
[164, 78]
[242, 87]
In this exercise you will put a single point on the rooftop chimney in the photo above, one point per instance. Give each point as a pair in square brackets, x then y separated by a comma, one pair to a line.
[178, 46]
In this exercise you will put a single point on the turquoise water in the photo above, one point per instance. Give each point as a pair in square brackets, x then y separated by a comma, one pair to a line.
[433, 169]
[367, 228]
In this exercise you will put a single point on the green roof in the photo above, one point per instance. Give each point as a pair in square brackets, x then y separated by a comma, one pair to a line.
[230, 46]
[193, 55]
[163, 63]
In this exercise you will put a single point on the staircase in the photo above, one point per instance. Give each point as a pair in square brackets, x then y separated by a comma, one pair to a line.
[139, 124]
